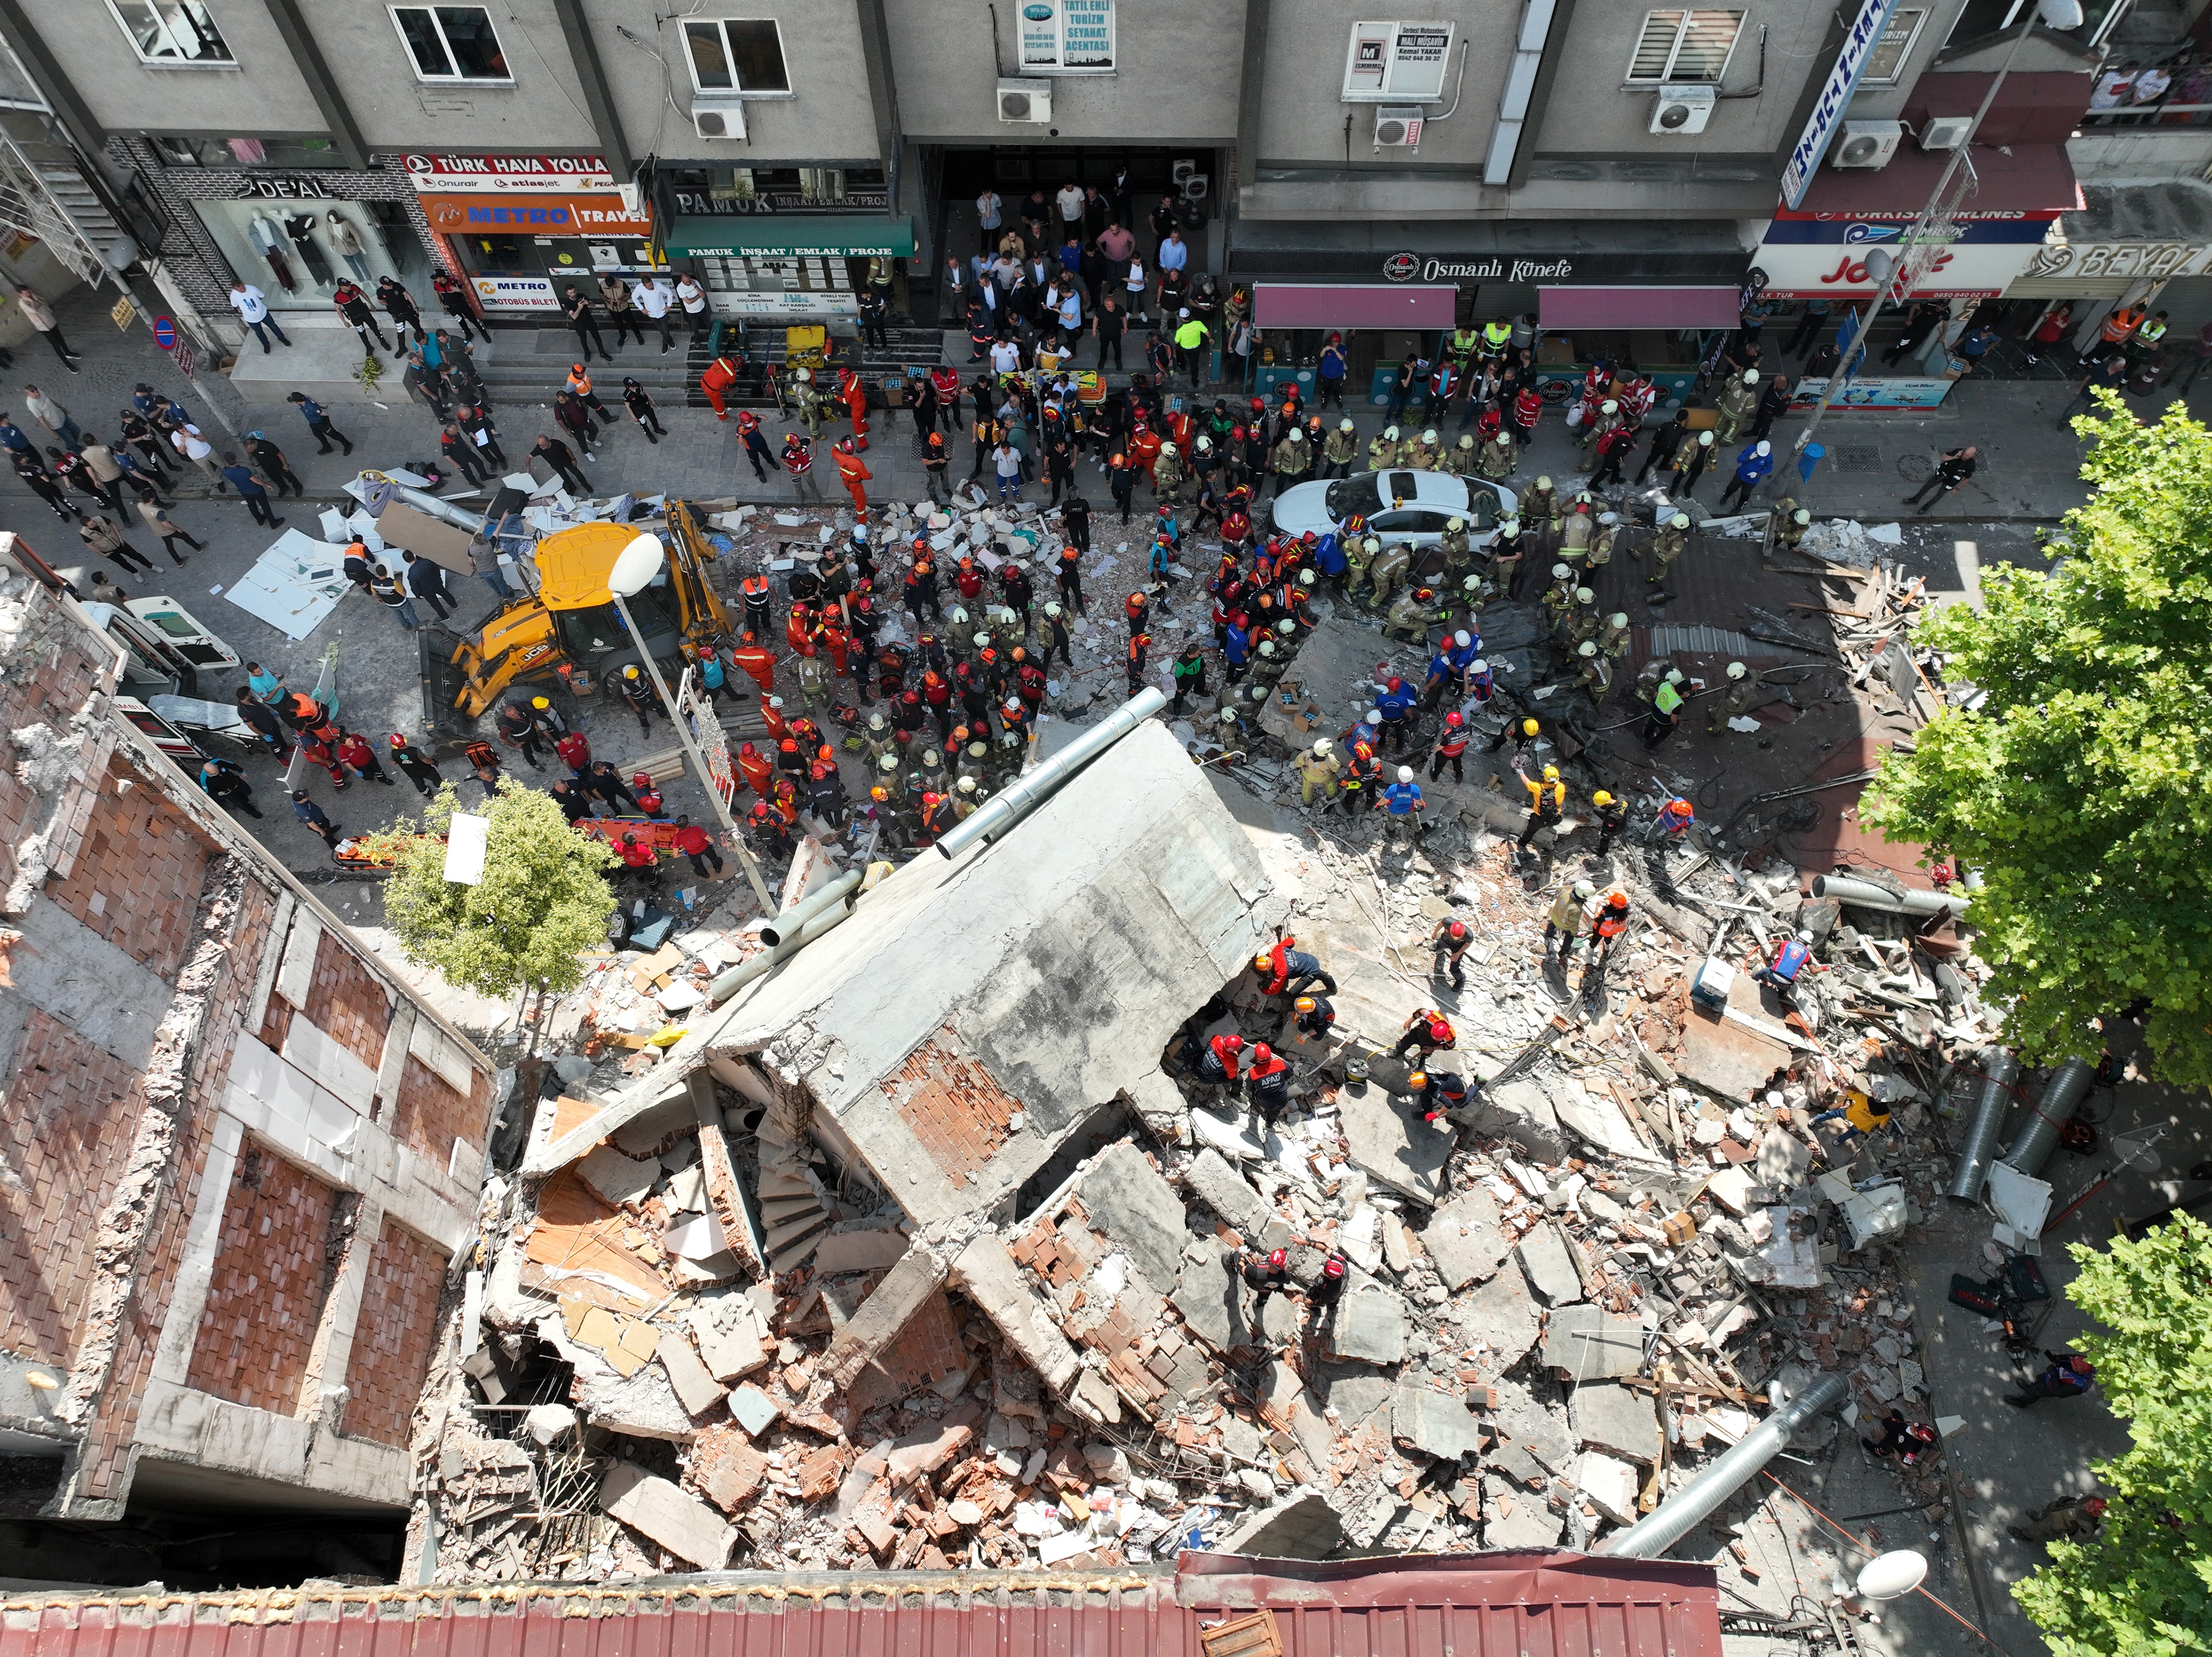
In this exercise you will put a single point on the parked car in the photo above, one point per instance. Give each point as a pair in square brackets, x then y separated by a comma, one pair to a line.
[1399, 506]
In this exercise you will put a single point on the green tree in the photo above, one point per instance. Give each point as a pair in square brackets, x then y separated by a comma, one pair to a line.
[2143, 1589]
[542, 899]
[2075, 786]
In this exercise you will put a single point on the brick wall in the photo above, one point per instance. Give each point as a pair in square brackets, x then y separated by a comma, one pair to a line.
[927, 1351]
[955, 1109]
[271, 1275]
[44, 686]
[68, 1113]
[138, 876]
[394, 1335]
[432, 1115]
[346, 1003]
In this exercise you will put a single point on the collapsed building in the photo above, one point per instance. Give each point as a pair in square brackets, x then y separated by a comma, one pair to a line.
[236, 1151]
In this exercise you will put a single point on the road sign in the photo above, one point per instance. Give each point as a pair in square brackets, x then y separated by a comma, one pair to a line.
[123, 313]
[184, 358]
[165, 333]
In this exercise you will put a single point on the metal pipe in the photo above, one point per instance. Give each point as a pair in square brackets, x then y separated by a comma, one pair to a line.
[756, 966]
[1024, 794]
[793, 921]
[422, 500]
[1669, 1522]
[2061, 1094]
[2000, 1069]
[1865, 895]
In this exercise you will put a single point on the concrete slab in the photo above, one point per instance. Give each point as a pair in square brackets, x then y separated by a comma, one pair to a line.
[1616, 1419]
[987, 1274]
[1521, 1519]
[1210, 1295]
[1370, 1325]
[1437, 1425]
[1354, 1394]
[619, 1179]
[1391, 1144]
[1214, 1181]
[1598, 1118]
[753, 1410]
[1727, 1057]
[1302, 1525]
[1588, 1344]
[901, 1294]
[669, 1515]
[1501, 1316]
[695, 1389]
[1130, 1202]
[1521, 1113]
[870, 1249]
[1610, 1484]
[1231, 1137]
[1551, 1271]
[1463, 1240]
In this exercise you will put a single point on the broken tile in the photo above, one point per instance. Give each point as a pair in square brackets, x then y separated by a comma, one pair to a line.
[754, 1410]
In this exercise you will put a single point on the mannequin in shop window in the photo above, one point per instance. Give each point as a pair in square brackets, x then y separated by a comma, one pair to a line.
[300, 226]
[267, 234]
[345, 240]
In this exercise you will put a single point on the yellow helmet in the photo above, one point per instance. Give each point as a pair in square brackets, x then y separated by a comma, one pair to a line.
[1528, 727]
[1600, 798]
[1551, 773]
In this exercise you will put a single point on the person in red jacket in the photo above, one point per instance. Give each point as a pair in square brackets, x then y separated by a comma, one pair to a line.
[695, 844]
[756, 770]
[641, 862]
[575, 752]
[1218, 1063]
[1287, 970]
[852, 472]
[755, 662]
[355, 750]
[1267, 1083]
[648, 796]
[722, 374]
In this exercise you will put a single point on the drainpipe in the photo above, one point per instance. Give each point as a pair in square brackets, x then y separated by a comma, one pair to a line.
[1673, 1520]
[2061, 1094]
[994, 817]
[746, 971]
[793, 921]
[445, 512]
[2000, 1069]
[1865, 895]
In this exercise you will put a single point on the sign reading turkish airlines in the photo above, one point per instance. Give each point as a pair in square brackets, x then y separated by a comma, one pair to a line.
[1964, 269]
[508, 175]
[535, 215]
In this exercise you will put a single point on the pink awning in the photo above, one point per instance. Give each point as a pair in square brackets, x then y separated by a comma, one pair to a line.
[1639, 307]
[1331, 304]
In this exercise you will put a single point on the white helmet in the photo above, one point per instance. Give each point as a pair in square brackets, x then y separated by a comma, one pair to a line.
[1674, 676]
[1467, 441]
[1609, 407]
[1374, 715]
[1704, 439]
[805, 376]
[1323, 749]
[967, 785]
[1584, 596]
[1454, 526]
[1480, 666]
[1167, 448]
[1370, 546]
[1286, 626]
[1618, 618]
[982, 641]
[959, 614]
[1609, 518]
[1266, 647]
[1737, 670]
[1584, 890]
[1205, 445]
[1802, 516]
[1560, 571]
[1405, 773]
[888, 764]
[1681, 520]
[1052, 609]
[1804, 935]
[875, 721]
[1751, 376]
[1430, 435]
[1294, 435]
[1586, 649]
[1764, 447]
[1344, 425]
[1462, 639]
[1390, 433]
[1543, 483]
[1510, 526]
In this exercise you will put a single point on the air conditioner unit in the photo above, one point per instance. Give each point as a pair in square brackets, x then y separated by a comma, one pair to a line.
[1681, 110]
[1945, 131]
[1397, 127]
[725, 119]
[1025, 101]
[1869, 143]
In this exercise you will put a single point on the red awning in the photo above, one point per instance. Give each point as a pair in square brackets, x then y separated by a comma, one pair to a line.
[1639, 307]
[1330, 305]
[2033, 179]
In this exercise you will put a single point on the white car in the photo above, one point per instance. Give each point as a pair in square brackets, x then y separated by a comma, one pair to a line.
[1399, 506]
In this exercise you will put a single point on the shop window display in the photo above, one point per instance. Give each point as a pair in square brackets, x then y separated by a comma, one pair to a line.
[298, 252]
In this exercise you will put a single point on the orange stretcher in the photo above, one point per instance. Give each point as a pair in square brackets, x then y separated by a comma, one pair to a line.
[661, 831]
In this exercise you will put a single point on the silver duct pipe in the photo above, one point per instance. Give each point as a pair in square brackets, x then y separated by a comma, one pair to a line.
[2061, 1094]
[793, 921]
[451, 512]
[1669, 1522]
[1867, 895]
[2000, 1069]
[1024, 794]
[757, 966]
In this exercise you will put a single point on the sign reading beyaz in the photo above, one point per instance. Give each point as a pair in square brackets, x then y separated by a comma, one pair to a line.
[1835, 97]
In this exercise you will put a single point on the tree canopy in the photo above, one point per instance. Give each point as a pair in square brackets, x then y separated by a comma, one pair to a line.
[2074, 785]
[541, 902]
[2144, 1587]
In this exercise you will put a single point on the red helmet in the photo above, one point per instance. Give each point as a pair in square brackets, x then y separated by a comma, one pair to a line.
[1259, 405]
[1278, 1259]
[1333, 1267]
[1454, 718]
[1263, 1052]
[642, 779]
[1397, 685]
[1457, 929]
[1237, 433]
[1233, 1042]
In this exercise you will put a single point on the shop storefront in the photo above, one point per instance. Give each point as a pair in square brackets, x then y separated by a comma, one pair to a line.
[1654, 308]
[2149, 243]
[523, 227]
[788, 265]
[293, 231]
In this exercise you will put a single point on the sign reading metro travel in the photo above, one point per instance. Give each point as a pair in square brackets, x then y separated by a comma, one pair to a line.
[1835, 97]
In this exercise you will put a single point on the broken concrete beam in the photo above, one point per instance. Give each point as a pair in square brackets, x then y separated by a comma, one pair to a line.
[1463, 1239]
[679, 1521]
[1302, 1525]
[929, 1448]
[1615, 1419]
[987, 1274]
[904, 1292]
[868, 1248]
[1521, 1113]
[696, 1390]
[1610, 1484]
[1588, 1344]
[1437, 1425]
[1214, 1181]
[1131, 1205]
[727, 1197]
[1550, 1268]
[617, 1179]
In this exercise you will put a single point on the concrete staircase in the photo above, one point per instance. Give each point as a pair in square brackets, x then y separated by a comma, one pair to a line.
[529, 366]
[796, 1212]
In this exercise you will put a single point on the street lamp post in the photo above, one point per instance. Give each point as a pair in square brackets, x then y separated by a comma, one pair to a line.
[2057, 15]
[632, 572]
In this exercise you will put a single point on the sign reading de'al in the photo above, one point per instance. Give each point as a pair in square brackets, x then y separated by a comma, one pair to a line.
[1835, 97]
[508, 175]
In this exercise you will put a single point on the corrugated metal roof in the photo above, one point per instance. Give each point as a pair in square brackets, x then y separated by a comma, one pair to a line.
[1500, 1604]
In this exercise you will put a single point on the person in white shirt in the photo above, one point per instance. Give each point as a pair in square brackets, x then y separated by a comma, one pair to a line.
[1071, 204]
[1005, 357]
[252, 305]
[1133, 285]
[654, 297]
[188, 442]
[693, 298]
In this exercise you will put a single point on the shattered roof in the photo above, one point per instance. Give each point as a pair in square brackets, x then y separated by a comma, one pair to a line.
[1044, 975]
[1495, 1604]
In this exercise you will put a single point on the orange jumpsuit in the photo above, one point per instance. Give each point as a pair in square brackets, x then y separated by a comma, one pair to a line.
[1144, 449]
[722, 374]
[756, 662]
[856, 402]
[851, 472]
[759, 773]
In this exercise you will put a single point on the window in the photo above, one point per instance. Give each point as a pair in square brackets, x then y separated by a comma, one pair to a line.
[172, 33]
[1983, 19]
[1887, 61]
[1684, 46]
[1064, 37]
[735, 54]
[452, 43]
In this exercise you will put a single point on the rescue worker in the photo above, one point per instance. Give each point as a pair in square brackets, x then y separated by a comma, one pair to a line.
[1448, 945]
[1362, 779]
[1781, 972]
[1290, 461]
[644, 700]
[1339, 450]
[799, 464]
[1602, 543]
[1667, 544]
[1311, 1016]
[1386, 569]
[1167, 474]
[1219, 1062]
[1328, 1291]
[1508, 556]
[1318, 767]
[1285, 970]
[1675, 818]
[1383, 449]
[1568, 920]
[1412, 616]
[1267, 1083]
[1596, 673]
[1743, 691]
[1666, 710]
[2063, 1519]
[1548, 800]
[1607, 926]
[1453, 544]
[1266, 1275]
[1735, 402]
[1402, 806]
[1426, 1032]
[852, 472]
[1613, 637]
[1611, 814]
[1690, 461]
[1540, 508]
[1450, 747]
[714, 384]
[2070, 1375]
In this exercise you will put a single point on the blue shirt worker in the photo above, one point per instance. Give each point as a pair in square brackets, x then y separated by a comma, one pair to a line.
[1791, 957]
[1401, 805]
[1752, 467]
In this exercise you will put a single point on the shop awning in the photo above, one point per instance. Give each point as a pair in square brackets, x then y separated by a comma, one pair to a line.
[2032, 178]
[1377, 305]
[821, 235]
[1639, 307]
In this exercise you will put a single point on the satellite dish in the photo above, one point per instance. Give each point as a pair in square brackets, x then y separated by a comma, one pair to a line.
[1892, 1575]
